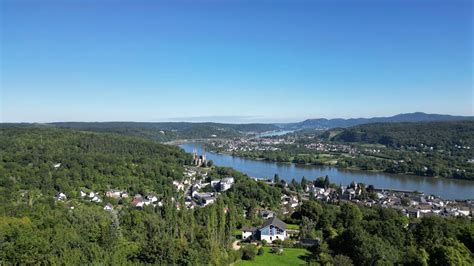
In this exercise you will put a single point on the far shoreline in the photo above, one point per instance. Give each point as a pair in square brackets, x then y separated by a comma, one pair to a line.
[355, 169]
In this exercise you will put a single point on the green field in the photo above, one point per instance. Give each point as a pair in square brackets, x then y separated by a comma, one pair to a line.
[290, 256]
[293, 227]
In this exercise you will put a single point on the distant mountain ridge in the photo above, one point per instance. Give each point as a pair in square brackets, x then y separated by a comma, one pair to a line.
[323, 123]
[166, 131]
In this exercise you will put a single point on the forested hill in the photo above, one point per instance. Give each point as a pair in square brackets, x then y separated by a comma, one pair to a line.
[322, 123]
[171, 130]
[92, 160]
[162, 131]
[435, 134]
[36, 227]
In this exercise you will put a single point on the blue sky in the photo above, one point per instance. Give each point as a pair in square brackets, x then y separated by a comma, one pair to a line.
[233, 61]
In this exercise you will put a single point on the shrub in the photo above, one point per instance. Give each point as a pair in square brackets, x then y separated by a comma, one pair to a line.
[341, 260]
[260, 251]
[277, 250]
[234, 255]
[249, 252]
[277, 242]
[287, 243]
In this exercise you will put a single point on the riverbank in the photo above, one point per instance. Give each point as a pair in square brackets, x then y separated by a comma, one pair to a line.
[353, 168]
[445, 188]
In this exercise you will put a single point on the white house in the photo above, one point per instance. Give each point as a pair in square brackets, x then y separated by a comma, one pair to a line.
[271, 230]
[57, 165]
[108, 207]
[248, 232]
[267, 214]
[61, 196]
[179, 186]
[151, 198]
[226, 183]
[464, 211]
[113, 194]
[96, 199]
[138, 201]
[215, 183]
[204, 198]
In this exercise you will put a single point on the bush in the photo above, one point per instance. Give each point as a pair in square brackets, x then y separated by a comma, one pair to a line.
[249, 252]
[277, 250]
[277, 242]
[234, 255]
[260, 251]
[341, 260]
[287, 243]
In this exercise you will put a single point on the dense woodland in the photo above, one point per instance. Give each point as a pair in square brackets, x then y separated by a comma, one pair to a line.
[160, 132]
[34, 228]
[382, 236]
[37, 229]
[171, 130]
[440, 135]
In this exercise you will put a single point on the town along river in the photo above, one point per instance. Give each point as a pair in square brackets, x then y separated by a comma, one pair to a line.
[444, 188]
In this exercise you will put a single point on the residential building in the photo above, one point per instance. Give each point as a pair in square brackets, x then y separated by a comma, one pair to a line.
[272, 229]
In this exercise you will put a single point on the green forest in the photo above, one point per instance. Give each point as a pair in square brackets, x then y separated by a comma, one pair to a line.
[35, 228]
[441, 135]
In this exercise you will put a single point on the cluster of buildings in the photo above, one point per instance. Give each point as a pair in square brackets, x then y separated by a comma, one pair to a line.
[418, 205]
[462, 147]
[140, 201]
[196, 196]
[191, 187]
[289, 203]
[222, 184]
[326, 147]
[412, 204]
[255, 144]
[92, 196]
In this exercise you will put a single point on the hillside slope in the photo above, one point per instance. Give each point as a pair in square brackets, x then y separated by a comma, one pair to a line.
[436, 134]
[323, 123]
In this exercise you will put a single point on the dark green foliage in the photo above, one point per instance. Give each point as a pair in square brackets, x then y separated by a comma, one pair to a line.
[170, 130]
[341, 260]
[36, 229]
[249, 252]
[380, 236]
[437, 134]
[248, 193]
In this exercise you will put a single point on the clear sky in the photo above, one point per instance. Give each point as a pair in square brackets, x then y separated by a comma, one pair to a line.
[233, 61]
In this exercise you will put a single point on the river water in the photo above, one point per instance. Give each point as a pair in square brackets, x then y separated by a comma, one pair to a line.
[445, 188]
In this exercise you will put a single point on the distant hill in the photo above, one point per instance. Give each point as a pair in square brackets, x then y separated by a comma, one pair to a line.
[322, 123]
[167, 131]
[161, 131]
[441, 134]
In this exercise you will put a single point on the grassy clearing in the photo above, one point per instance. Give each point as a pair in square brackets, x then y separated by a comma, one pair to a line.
[290, 256]
[293, 227]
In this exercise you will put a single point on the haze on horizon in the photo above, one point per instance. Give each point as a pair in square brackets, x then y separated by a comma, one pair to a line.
[236, 61]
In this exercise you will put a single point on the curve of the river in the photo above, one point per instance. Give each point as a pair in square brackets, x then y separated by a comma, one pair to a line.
[444, 188]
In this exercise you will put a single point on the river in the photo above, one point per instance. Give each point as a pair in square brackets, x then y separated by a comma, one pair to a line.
[444, 188]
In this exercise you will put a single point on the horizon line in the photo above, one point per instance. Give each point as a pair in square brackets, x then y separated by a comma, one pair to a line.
[190, 119]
